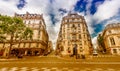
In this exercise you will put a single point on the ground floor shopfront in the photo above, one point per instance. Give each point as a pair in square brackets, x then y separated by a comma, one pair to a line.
[26, 48]
[27, 51]
[115, 51]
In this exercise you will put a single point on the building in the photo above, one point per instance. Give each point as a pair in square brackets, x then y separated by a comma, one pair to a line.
[50, 47]
[111, 36]
[39, 43]
[73, 30]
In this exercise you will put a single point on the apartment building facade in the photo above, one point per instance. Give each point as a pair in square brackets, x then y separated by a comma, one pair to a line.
[111, 36]
[39, 43]
[73, 31]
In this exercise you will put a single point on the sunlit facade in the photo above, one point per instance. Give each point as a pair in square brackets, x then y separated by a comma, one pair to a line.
[111, 35]
[38, 45]
[74, 30]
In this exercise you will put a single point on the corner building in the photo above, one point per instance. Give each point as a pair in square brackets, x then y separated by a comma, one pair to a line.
[39, 43]
[73, 31]
[111, 36]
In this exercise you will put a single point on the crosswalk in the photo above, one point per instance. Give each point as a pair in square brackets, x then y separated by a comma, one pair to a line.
[55, 69]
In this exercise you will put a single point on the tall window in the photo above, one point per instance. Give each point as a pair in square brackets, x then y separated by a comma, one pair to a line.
[78, 25]
[68, 25]
[79, 36]
[112, 41]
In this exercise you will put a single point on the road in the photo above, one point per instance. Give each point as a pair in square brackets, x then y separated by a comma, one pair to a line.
[54, 63]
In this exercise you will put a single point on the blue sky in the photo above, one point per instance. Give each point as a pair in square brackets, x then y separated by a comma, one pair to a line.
[98, 13]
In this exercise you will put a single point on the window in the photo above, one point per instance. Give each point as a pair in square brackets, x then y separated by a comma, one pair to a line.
[68, 43]
[69, 51]
[80, 42]
[24, 22]
[109, 31]
[68, 25]
[114, 50]
[65, 21]
[78, 25]
[85, 42]
[76, 20]
[70, 20]
[112, 41]
[29, 22]
[79, 36]
[68, 37]
[84, 36]
[79, 20]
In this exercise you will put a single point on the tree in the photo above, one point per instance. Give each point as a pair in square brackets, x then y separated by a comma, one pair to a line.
[15, 28]
[101, 43]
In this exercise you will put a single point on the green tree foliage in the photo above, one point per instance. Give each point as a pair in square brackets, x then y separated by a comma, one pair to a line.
[15, 28]
[101, 43]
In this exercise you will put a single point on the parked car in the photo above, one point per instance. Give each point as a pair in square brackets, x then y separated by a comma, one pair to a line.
[95, 53]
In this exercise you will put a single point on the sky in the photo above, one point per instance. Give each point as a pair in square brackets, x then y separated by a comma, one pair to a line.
[97, 13]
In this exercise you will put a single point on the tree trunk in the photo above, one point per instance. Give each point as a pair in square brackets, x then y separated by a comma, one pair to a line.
[11, 44]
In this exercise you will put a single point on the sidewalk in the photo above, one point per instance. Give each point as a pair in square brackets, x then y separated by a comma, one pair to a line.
[67, 57]
[9, 59]
[103, 58]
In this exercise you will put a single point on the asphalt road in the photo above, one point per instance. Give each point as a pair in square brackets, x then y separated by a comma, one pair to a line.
[54, 63]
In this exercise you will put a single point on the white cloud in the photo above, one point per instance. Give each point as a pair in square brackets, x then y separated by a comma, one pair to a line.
[94, 41]
[107, 10]
[8, 7]
[89, 20]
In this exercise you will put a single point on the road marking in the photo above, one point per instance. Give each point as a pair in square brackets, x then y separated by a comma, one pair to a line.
[4, 69]
[56, 69]
[14, 69]
[35, 69]
[24, 68]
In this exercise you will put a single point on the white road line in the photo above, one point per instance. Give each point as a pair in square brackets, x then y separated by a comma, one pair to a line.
[56, 69]
[14, 69]
[24, 69]
[35, 69]
[110, 69]
[4, 69]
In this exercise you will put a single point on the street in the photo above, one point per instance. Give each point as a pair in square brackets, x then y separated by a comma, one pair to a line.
[55, 63]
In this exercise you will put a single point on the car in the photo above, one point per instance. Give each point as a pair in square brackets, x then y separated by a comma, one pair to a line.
[95, 53]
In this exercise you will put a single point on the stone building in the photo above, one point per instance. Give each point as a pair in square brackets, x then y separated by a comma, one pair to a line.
[111, 36]
[73, 31]
[39, 43]
[50, 47]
